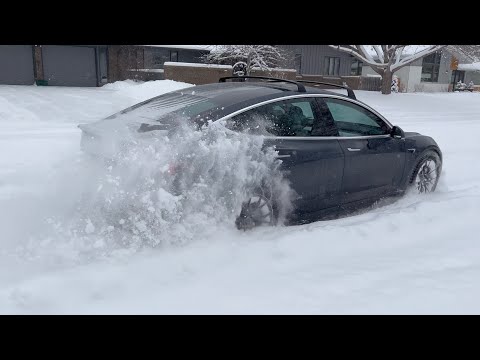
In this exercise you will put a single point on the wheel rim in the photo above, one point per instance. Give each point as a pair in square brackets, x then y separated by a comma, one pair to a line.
[427, 175]
[257, 211]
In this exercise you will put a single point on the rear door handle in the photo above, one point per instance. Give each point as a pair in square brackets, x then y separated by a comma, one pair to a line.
[353, 149]
[283, 156]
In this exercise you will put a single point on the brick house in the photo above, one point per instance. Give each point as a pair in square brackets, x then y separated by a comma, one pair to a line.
[89, 65]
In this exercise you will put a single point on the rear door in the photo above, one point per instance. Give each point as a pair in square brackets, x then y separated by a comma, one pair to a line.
[313, 160]
[374, 160]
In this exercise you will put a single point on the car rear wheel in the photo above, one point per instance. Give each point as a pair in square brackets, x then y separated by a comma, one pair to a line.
[256, 211]
[427, 173]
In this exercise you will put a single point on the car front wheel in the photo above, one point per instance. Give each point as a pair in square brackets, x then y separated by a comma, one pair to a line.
[426, 173]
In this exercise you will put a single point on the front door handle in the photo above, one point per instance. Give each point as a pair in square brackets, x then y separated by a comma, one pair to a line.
[283, 156]
[353, 149]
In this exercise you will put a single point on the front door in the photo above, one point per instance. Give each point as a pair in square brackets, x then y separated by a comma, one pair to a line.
[313, 162]
[374, 160]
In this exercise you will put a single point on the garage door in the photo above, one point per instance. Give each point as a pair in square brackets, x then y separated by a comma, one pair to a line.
[16, 64]
[69, 65]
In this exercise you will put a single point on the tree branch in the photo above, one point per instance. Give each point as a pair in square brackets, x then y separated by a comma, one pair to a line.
[364, 52]
[416, 56]
[379, 53]
[358, 56]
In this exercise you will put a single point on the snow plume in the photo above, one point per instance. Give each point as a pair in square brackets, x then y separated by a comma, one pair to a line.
[162, 190]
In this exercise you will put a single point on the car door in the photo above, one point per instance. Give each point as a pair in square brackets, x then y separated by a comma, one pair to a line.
[313, 161]
[374, 160]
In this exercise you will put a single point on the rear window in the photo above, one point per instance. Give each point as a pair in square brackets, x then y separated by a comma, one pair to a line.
[166, 111]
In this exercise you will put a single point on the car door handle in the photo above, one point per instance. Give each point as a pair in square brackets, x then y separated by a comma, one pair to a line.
[283, 156]
[353, 149]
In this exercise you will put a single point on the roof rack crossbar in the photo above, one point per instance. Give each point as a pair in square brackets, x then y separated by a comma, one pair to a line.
[350, 92]
[300, 87]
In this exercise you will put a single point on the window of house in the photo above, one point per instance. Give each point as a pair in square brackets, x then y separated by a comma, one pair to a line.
[174, 55]
[159, 56]
[457, 75]
[356, 68]
[431, 67]
[298, 63]
[331, 66]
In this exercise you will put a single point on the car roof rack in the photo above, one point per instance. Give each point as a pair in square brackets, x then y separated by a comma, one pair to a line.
[300, 87]
[350, 92]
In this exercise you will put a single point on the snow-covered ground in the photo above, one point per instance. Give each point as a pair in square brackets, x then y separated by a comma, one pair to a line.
[417, 255]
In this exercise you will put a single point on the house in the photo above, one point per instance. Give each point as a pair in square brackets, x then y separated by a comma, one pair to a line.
[89, 65]
[146, 62]
[467, 72]
[436, 72]
[321, 60]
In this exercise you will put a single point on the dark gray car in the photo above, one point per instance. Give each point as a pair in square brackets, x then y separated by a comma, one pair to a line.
[339, 153]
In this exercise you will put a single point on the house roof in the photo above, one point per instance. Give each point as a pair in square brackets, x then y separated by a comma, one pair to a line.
[407, 51]
[188, 47]
[469, 67]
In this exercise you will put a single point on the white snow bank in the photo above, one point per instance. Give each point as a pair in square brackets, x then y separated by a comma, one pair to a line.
[120, 85]
[139, 90]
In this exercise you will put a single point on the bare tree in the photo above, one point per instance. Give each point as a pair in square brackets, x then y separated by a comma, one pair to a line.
[245, 58]
[386, 59]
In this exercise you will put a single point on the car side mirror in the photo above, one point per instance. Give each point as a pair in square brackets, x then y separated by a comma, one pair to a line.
[397, 133]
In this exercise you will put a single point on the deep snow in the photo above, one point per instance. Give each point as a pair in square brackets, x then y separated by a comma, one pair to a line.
[417, 255]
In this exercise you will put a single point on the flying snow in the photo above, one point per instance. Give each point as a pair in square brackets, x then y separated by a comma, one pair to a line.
[160, 190]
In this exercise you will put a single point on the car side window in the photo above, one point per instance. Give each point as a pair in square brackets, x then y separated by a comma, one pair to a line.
[295, 117]
[354, 120]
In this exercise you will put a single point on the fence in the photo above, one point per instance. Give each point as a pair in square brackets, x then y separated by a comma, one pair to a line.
[370, 83]
[196, 74]
[210, 73]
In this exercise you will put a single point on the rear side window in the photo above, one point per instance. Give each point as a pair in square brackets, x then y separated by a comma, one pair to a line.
[294, 117]
[354, 120]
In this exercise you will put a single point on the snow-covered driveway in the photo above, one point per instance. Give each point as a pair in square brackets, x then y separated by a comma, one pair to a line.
[418, 255]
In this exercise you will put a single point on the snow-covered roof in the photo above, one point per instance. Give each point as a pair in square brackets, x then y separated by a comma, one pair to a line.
[148, 70]
[197, 65]
[407, 51]
[188, 47]
[469, 67]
